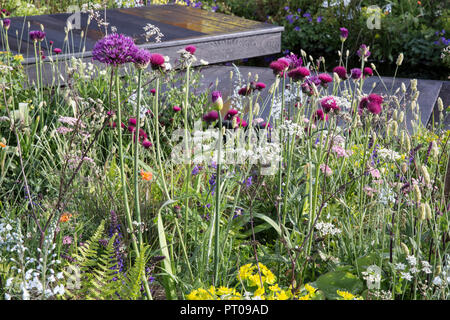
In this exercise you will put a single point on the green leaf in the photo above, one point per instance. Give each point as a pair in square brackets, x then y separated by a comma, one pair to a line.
[332, 281]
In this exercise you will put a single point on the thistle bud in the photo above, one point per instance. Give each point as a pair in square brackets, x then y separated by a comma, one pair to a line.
[426, 175]
[316, 92]
[303, 53]
[373, 66]
[217, 100]
[347, 53]
[404, 248]
[399, 59]
[336, 77]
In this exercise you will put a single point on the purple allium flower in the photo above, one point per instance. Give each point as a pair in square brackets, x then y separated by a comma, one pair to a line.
[146, 144]
[191, 49]
[294, 61]
[325, 78]
[363, 51]
[299, 73]
[114, 49]
[176, 108]
[368, 71]
[6, 23]
[57, 50]
[344, 33]
[328, 104]
[355, 73]
[157, 61]
[141, 58]
[341, 72]
[37, 35]
[211, 116]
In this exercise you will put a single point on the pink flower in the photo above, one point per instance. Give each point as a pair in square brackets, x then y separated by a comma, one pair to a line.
[153, 91]
[211, 116]
[370, 191]
[299, 73]
[132, 121]
[320, 115]
[245, 91]
[367, 71]
[279, 66]
[328, 104]
[260, 85]
[230, 114]
[191, 49]
[57, 50]
[146, 144]
[326, 169]
[340, 152]
[67, 240]
[375, 173]
[341, 72]
[325, 78]
[176, 108]
[157, 60]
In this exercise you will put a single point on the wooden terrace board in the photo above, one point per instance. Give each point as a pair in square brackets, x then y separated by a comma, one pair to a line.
[218, 37]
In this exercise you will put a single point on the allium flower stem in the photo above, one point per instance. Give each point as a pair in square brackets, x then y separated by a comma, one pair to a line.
[122, 165]
[217, 208]
[136, 155]
[158, 144]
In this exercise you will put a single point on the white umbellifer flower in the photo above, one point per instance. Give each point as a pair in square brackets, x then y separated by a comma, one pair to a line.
[400, 266]
[326, 228]
[411, 260]
[437, 281]
[414, 270]
[59, 275]
[388, 154]
[406, 275]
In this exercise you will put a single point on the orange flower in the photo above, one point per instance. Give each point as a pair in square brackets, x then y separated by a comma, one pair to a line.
[65, 217]
[2, 145]
[147, 176]
[419, 3]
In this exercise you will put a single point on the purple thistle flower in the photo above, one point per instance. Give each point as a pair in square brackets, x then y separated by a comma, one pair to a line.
[6, 23]
[37, 35]
[211, 116]
[344, 33]
[363, 51]
[157, 61]
[191, 49]
[355, 73]
[299, 73]
[114, 49]
[341, 72]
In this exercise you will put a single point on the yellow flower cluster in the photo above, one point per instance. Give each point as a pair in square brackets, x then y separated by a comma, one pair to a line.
[213, 293]
[345, 295]
[250, 273]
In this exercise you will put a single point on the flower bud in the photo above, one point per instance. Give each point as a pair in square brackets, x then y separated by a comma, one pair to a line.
[440, 104]
[217, 100]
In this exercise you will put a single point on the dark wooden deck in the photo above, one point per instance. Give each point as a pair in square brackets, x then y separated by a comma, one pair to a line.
[218, 37]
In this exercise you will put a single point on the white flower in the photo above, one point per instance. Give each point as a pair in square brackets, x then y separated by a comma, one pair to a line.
[437, 281]
[400, 266]
[7, 296]
[411, 260]
[9, 282]
[406, 275]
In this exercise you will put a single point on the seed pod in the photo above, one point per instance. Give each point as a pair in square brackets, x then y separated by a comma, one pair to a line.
[417, 193]
[426, 175]
[404, 248]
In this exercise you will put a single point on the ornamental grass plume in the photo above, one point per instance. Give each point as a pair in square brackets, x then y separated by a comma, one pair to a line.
[114, 49]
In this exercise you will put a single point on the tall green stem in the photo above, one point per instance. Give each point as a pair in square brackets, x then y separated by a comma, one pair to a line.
[217, 213]
[136, 157]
